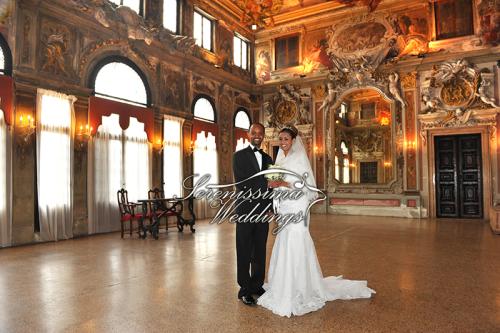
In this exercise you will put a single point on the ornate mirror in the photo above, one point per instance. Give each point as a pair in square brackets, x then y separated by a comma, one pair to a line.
[363, 145]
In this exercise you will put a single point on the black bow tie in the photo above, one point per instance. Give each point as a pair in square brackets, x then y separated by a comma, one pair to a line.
[257, 149]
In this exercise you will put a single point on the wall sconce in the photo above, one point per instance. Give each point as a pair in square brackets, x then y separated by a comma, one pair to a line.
[387, 164]
[352, 165]
[317, 152]
[26, 127]
[190, 148]
[83, 135]
[158, 146]
[410, 144]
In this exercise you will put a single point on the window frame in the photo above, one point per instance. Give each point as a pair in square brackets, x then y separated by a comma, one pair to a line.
[178, 16]
[238, 110]
[111, 59]
[210, 100]
[288, 64]
[247, 55]
[434, 20]
[212, 29]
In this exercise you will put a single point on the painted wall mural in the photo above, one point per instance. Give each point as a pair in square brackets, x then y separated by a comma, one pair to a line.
[263, 64]
[316, 45]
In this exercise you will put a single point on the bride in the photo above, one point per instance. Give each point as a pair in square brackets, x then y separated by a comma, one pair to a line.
[295, 283]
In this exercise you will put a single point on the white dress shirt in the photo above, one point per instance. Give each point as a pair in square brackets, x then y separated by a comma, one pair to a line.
[258, 156]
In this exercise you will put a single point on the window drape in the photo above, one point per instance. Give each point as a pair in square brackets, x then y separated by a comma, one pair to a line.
[242, 143]
[205, 162]
[136, 161]
[172, 156]
[118, 159]
[55, 115]
[5, 182]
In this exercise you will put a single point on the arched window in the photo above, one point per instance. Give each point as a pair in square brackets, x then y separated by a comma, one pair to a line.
[121, 80]
[242, 120]
[242, 124]
[5, 58]
[204, 110]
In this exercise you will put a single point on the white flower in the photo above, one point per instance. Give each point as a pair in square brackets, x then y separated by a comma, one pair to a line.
[274, 176]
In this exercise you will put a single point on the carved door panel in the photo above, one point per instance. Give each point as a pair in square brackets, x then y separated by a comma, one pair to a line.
[458, 176]
[470, 176]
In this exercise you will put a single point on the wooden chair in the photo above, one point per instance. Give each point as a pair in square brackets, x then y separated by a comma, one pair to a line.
[128, 211]
[163, 210]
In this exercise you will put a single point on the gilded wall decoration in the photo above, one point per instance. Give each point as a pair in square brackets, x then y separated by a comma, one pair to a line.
[289, 106]
[56, 48]
[226, 146]
[409, 80]
[320, 151]
[411, 138]
[456, 87]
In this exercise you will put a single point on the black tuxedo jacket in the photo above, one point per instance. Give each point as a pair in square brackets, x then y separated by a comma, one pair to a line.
[245, 165]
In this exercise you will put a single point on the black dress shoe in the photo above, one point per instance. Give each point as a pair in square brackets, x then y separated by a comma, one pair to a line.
[248, 300]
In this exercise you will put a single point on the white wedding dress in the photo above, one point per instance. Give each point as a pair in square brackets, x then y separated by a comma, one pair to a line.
[295, 282]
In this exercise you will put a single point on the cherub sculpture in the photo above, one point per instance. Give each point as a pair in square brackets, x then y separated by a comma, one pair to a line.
[329, 100]
[394, 89]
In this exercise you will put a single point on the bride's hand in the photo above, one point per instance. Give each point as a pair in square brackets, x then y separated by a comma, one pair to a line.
[277, 183]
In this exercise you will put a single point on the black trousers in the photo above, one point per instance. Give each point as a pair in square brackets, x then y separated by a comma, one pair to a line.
[251, 241]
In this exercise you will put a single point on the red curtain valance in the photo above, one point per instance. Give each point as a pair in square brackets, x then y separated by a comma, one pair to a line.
[7, 95]
[99, 107]
[200, 125]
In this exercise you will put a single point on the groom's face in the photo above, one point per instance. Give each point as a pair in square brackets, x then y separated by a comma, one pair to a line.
[256, 135]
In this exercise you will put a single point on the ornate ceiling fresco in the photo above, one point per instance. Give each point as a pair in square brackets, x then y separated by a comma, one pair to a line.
[261, 12]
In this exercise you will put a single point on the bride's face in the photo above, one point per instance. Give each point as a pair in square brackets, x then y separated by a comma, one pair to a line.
[285, 141]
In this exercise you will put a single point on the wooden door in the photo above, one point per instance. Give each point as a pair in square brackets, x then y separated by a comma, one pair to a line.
[459, 176]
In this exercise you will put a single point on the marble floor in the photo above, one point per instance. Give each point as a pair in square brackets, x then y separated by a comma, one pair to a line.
[430, 276]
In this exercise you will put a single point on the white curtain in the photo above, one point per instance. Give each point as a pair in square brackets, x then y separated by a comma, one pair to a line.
[136, 161]
[242, 143]
[55, 116]
[205, 162]
[172, 156]
[5, 193]
[118, 159]
[105, 177]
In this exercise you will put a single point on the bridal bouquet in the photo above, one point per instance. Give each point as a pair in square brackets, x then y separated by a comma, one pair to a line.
[275, 179]
[274, 176]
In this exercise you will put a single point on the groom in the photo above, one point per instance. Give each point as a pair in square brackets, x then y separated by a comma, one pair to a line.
[251, 238]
